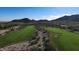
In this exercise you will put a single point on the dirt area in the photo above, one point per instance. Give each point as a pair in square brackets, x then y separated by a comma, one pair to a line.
[40, 43]
[3, 32]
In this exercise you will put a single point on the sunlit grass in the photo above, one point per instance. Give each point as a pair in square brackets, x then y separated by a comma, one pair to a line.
[24, 34]
[63, 39]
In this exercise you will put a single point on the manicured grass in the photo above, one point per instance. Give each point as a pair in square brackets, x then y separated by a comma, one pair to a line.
[24, 34]
[64, 40]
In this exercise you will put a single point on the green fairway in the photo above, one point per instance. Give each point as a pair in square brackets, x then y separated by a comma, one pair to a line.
[64, 40]
[24, 34]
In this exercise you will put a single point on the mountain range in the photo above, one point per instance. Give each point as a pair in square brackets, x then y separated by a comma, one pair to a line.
[64, 18]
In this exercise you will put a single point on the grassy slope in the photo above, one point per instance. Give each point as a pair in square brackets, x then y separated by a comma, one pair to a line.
[64, 40]
[22, 35]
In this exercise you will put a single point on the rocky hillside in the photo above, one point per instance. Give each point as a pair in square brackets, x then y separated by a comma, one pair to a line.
[69, 18]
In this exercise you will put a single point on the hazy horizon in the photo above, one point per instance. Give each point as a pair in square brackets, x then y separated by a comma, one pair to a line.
[49, 13]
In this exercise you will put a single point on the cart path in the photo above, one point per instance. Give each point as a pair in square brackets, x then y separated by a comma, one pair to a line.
[3, 32]
[39, 43]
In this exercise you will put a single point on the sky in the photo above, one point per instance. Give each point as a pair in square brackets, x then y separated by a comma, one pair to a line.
[50, 13]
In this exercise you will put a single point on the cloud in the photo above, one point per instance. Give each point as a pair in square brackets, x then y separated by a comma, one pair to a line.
[51, 17]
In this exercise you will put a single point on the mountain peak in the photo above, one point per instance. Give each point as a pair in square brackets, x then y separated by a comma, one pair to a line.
[69, 18]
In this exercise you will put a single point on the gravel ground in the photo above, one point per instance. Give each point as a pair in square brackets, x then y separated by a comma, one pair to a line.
[40, 43]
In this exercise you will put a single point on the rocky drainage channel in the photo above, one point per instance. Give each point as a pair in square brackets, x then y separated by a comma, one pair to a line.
[39, 43]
